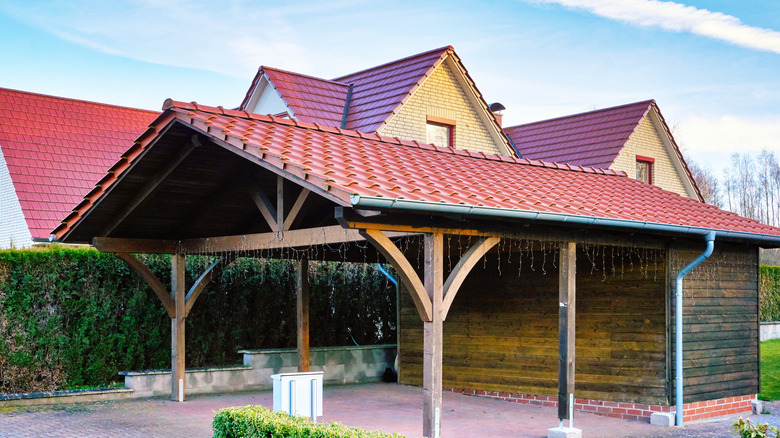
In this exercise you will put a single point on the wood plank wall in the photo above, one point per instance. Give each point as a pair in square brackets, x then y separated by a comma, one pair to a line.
[502, 330]
[720, 323]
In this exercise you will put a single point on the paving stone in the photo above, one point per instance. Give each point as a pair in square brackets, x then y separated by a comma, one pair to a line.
[389, 407]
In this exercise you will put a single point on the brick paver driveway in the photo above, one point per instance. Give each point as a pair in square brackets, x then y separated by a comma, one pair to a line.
[392, 408]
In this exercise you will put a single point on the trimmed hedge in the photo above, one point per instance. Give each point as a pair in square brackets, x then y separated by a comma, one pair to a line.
[76, 317]
[259, 422]
[769, 293]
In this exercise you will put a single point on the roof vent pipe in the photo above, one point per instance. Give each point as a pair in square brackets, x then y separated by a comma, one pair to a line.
[678, 315]
[496, 109]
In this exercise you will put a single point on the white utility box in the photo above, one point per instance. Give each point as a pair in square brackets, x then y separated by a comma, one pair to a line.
[298, 393]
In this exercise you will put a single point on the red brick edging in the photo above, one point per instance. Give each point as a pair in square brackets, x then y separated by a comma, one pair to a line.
[627, 410]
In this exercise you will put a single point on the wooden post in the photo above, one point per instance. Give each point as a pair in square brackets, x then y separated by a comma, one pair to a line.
[302, 295]
[566, 334]
[178, 289]
[433, 332]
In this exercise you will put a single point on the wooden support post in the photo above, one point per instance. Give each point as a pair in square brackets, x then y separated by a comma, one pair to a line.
[302, 294]
[178, 289]
[433, 332]
[566, 334]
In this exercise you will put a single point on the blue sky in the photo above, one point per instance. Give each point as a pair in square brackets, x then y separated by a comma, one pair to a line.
[712, 66]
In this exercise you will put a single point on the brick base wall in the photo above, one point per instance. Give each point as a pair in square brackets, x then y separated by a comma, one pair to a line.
[627, 411]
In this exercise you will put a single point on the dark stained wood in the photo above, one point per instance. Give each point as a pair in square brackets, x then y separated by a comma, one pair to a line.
[178, 277]
[567, 275]
[302, 313]
[720, 330]
[501, 333]
[200, 284]
[151, 185]
[152, 281]
[462, 269]
[135, 246]
[433, 335]
[405, 271]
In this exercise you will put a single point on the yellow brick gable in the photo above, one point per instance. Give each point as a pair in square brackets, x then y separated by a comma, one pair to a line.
[647, 141]
[442, 96]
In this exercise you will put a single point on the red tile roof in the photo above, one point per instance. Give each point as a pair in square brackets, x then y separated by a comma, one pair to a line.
[345, 163]
[311, 99]
[593, 138]
[381, 91]
[57, 148]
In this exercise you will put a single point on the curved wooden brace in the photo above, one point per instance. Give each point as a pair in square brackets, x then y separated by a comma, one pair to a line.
[152, 281]
[202, 282]
[404, 269]
[462, 269]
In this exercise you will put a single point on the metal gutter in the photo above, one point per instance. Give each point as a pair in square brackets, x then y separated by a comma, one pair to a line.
[375, 202]
[678, 315]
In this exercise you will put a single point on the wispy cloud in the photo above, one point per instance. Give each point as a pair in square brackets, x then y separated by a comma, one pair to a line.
[679, 17]
[232, 38]
[729, 133]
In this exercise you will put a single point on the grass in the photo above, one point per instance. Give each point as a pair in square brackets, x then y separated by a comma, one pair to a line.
[770, 370]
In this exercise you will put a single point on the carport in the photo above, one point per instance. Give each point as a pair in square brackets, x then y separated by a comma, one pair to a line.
[211, 181]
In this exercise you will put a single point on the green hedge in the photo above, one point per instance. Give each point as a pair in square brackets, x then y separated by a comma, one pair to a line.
[769, 293]
[259, 422]
[75, 317]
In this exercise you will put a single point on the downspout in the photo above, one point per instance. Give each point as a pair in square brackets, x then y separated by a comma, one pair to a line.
[678, 315]
[397, 309]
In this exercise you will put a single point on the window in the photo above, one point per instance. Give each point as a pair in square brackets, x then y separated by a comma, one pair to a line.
[644, 169]
[440, 131]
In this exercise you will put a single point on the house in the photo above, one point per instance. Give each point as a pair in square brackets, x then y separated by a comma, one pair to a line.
[52, 150]
[428, 97]
[631, 138]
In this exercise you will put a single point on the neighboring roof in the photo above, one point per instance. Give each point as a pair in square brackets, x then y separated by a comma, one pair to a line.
[56, 148]
[311, 99]
[594, 138]
[378, 92]
[340, 164]
[381, 91]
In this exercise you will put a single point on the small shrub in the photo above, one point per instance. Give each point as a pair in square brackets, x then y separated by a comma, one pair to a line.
[746, 429]
[260, 422]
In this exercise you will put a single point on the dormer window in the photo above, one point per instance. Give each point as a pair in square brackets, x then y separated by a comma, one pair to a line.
[644, 169]
[440, 131]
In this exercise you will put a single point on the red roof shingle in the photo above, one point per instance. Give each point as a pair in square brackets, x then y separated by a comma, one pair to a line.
[56, 148]
[593, 138]
[346, 163]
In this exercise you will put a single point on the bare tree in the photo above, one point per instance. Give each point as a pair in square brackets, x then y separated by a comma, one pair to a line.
[752, 187]
[707, 182]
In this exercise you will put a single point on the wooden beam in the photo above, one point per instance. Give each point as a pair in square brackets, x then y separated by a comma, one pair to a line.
[279, 203]
[152, 281]
[434, 334]
[296, 208]
[404, 269]
[566, 322]
[203, 281]
[264, 205]
[302, 312]
[462, 269]
[542, 231]
[178, 278]
[135, 246]
[151, 185]
[303, 238]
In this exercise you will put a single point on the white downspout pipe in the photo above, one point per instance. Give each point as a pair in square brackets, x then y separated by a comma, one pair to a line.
[678, 317]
